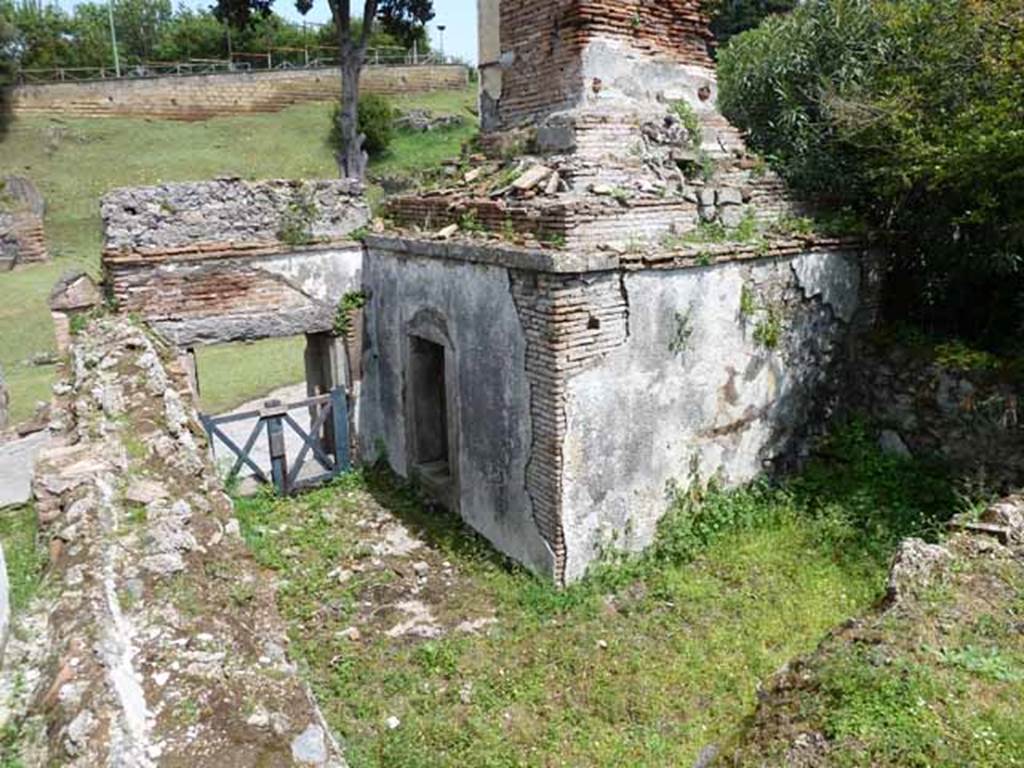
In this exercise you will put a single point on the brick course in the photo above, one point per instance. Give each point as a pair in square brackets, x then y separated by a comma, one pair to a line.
[570, 321]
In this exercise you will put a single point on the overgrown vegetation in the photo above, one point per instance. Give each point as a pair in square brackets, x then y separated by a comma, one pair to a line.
[351, 302]
[647, 662]
[935, 680]
[731, 17]
[376, 123]
[909, 113]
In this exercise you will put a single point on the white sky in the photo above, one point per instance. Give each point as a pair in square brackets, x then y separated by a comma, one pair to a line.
[459, 16]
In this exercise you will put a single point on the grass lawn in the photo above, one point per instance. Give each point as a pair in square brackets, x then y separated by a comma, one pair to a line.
[25, 559]
[75, 162]
[232, 374]
[647, 663]
[26, 330]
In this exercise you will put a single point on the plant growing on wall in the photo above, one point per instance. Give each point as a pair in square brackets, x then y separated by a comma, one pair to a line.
[681, 334]
[296, 226]
[350, 303]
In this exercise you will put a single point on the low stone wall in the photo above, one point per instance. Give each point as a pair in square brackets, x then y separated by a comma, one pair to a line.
[22, 239]
[968, 417]
[198, 97]
[155, 638]
[231, 260]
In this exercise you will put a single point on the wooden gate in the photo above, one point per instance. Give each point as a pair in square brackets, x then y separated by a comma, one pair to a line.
[326, 440]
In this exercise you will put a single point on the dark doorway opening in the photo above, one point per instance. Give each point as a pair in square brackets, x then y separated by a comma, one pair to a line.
[431, 454]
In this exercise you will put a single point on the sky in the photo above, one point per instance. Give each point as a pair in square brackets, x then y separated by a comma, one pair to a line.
[458, 16]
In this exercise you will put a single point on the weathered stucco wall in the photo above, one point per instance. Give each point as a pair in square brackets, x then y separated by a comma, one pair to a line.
[692, 387]
[581, 397]
[490, 387]
[200, 97]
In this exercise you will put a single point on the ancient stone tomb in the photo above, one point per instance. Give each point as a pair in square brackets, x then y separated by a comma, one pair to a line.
[611, 298]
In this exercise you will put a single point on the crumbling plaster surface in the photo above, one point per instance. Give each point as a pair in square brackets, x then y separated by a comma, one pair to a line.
[691, 389]
[491, 391]
[327, 275]
[625, 76]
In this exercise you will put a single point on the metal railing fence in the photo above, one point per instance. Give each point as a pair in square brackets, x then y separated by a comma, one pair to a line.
[274, 59]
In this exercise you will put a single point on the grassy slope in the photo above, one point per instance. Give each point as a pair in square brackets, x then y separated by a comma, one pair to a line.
[76, 161]
[935, 680]
[647, 663]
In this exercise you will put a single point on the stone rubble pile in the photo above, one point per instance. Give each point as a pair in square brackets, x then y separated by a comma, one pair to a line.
[154, 639]
[425, 121]
[600, 181]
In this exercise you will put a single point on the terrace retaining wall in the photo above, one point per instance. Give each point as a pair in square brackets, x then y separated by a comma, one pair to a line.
[198, 97]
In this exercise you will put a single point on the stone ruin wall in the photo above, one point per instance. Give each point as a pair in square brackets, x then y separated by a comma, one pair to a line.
[230, 260]
[969, 417]
[570, 322]
[199, 97]
[154, 639]
[22, 238]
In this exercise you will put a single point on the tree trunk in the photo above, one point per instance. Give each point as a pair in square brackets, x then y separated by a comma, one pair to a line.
[352, 159]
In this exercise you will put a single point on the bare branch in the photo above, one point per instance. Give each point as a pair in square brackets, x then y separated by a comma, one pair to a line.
[369, 14]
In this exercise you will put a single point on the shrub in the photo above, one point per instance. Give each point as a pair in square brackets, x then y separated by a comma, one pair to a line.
[908, 112]
[376, 123]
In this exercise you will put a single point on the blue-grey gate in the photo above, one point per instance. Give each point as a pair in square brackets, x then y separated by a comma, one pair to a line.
[327, 439]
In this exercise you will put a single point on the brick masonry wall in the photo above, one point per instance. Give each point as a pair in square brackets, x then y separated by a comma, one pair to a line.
[542, 42]
[569, 322]
[200, 97]
[22, 240]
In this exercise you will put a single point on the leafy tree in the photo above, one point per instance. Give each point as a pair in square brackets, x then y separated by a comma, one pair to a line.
[730, 17]
[140, 24]
[192, 35]
[399, 18]
[238, 13]
[912, 113]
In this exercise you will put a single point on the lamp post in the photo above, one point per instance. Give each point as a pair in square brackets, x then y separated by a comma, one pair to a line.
[441, 28]
[113, 37]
